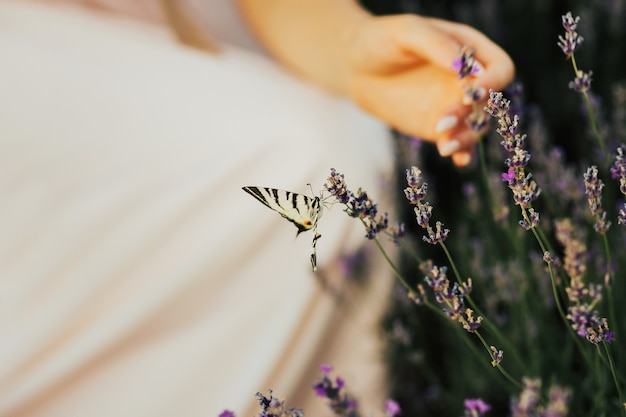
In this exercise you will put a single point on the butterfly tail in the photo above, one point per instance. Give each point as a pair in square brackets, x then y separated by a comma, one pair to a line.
[314, 252]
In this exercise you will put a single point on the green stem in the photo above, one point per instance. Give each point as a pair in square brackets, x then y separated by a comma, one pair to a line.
[503, 371]
[406, 248]
[609, 356]
[559, 307]
[395, 270]
[591, 113]
[486, 322]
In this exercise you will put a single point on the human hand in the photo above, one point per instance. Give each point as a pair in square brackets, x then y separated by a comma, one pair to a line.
[399, 70]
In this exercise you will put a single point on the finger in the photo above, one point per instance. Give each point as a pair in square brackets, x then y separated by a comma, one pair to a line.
[417, 36]
[462, 159]
[460, 140]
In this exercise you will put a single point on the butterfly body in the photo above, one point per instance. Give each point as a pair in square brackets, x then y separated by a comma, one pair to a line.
[299, 209]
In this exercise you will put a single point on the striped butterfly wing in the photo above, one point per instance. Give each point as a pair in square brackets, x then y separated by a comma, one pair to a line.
[299, 209]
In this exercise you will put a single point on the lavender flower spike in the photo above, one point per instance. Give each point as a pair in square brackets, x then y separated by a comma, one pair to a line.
[571, 41]
[465, 64]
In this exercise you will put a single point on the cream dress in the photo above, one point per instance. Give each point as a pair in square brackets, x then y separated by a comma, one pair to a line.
[136, 277]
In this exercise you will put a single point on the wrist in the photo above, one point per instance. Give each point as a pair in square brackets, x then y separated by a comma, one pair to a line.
[350, 25]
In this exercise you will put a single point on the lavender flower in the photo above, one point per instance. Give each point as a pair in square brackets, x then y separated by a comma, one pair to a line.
[586, 321]
[574, 261]
[340, 402]
[392, 408]
[582, 82]
[571, 41]
[452, 297]
[498, 355]
[415, 193]
[600, 333]
[272, 407]
[360, 206]
[465, 64]
[531, 221]
[618, 170]
[527, 405]
[475, 407]
[558, 402]
[524, 405]
[593, 190]
[336, 185]
[523, 187]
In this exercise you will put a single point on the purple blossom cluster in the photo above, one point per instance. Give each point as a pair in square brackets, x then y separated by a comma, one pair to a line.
[593, 191]
[339, 401]
[359, 205]
[584, 318]
[528, 402]
[475, 407]
[452, 295]
[582, 81]
[415, 193]
[569, 43]
[523, 187]
[392, 408]
[270, 407]
[466, 66]
[618, 171]
[342, 404]
[497, 355]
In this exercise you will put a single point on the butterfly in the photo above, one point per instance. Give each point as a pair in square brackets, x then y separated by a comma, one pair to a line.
[302, 211]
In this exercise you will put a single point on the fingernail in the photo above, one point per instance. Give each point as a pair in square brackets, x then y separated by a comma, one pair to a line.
[446, 123]
[448, 148]
[463, 159]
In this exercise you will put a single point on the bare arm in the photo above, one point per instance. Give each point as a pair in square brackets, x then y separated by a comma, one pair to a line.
[309, 36]
[398, 68]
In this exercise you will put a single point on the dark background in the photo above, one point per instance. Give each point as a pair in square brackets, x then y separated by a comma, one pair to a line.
[528, 30]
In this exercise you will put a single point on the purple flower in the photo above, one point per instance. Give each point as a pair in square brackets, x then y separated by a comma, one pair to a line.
[415, 193]
[336, 185]
[582, 82]
[570, 23]
[571, 41]
[465, 64]
[593, 190]
[341, 403]
[439, 234]
[475, 407]
[528, 398]
[509, 176]
[392, 408]
[227, 413]
[398, 232]
[525, 190]
[621, 216]
[558, 402]
[618, 169]
[497, 105]
[320, 390]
